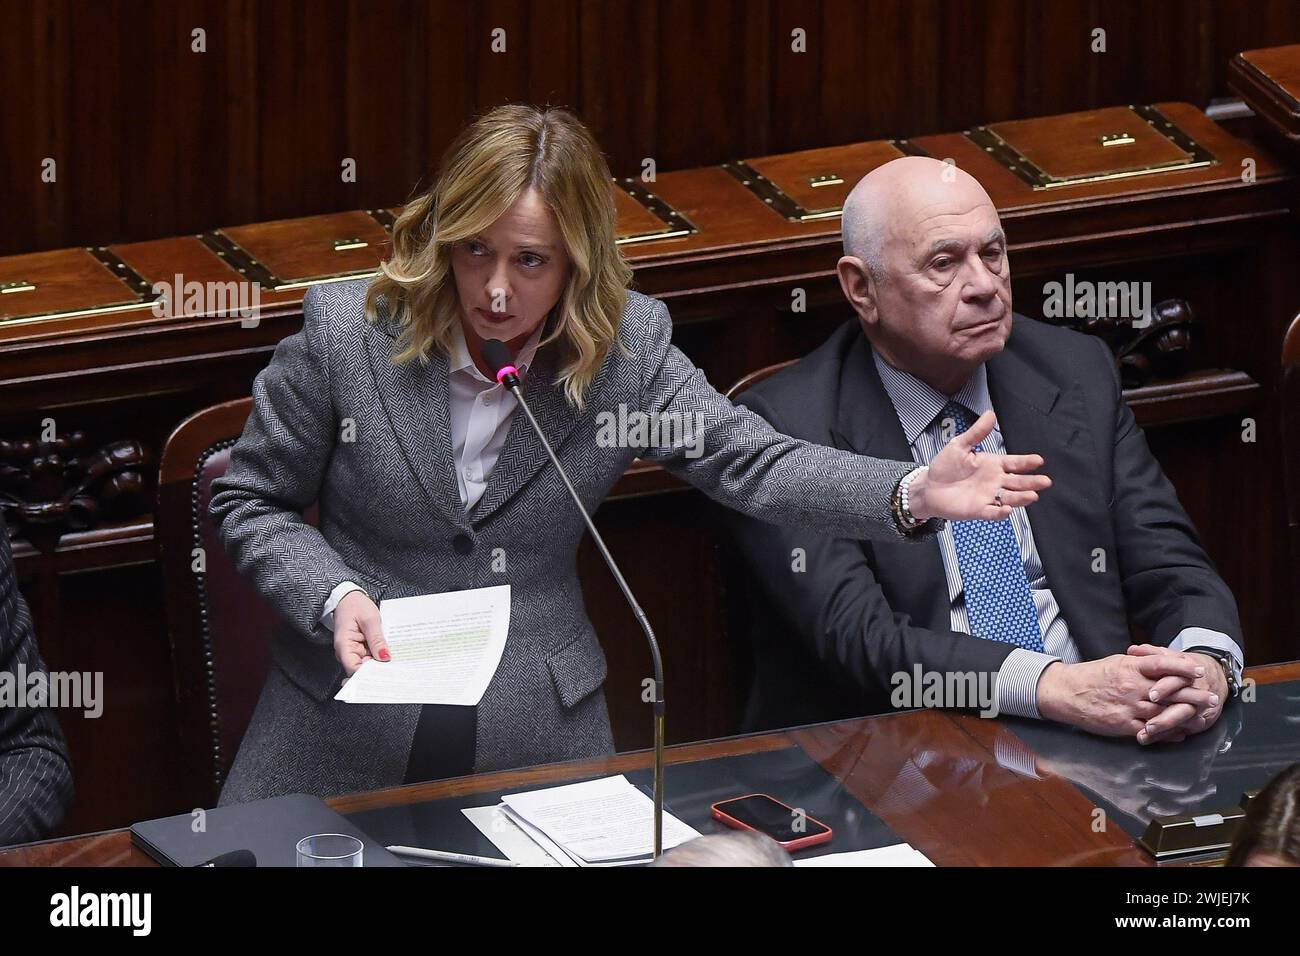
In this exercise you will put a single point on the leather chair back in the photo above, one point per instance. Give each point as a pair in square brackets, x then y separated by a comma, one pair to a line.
[217, 622]
[753, 378]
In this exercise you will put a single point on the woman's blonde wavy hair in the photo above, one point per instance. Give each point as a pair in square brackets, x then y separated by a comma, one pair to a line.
[489, 165]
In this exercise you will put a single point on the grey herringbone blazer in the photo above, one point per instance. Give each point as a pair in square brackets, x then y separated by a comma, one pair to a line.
[391, 520]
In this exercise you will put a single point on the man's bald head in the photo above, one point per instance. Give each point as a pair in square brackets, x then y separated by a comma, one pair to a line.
[925, 268]
[895, 193]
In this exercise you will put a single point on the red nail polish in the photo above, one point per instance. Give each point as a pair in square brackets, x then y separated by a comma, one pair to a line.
[383, 655]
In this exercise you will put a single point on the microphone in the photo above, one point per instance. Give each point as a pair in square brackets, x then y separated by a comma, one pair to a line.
[497, 354]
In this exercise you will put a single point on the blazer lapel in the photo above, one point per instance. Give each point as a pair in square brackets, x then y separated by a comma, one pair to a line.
[414, 395]
[911, 574]
[523, 456]
[864, 418]
[1036, 417]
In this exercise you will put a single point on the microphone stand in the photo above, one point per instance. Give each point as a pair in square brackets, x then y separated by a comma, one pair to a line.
[508, 376]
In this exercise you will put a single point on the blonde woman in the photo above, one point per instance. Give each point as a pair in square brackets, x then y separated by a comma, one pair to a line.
[443, 487]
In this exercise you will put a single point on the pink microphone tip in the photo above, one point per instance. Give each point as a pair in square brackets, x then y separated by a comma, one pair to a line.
[506, 370]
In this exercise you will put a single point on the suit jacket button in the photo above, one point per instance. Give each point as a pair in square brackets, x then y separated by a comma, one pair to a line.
[463, 543]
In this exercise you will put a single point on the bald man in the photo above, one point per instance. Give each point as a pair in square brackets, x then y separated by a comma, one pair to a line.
[1035, 610]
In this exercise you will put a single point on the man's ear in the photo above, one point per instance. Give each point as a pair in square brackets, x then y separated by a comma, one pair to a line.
[858, 287]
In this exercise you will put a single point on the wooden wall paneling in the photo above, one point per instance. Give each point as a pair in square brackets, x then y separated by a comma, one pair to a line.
[621, 105]
[1238, 25]
[154, 140]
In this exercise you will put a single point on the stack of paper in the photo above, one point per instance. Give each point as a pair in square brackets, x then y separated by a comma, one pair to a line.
[606, 822]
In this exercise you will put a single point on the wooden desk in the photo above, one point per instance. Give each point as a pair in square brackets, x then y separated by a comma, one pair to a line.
[1269, 81]
[974, 812]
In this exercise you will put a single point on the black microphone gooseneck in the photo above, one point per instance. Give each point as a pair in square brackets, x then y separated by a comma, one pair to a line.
[497, 354]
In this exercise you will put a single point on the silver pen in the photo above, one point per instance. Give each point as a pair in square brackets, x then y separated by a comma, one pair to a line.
[446, 856]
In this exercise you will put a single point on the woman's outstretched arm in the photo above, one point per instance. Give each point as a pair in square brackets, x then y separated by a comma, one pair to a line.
[738, 459]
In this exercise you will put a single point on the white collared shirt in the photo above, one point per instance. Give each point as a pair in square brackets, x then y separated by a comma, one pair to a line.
[481, 409]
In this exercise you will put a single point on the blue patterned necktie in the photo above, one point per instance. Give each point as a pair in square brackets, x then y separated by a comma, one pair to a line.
[998, 603]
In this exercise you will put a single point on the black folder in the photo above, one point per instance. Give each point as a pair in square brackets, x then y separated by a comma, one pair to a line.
[270, 829]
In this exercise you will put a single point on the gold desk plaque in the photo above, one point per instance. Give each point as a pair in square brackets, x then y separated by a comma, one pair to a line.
[783, 204]
[665, 221]
[249, 266]
[137, 292]
[1174, 149]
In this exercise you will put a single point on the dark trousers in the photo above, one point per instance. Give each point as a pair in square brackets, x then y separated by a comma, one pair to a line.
[444, 743]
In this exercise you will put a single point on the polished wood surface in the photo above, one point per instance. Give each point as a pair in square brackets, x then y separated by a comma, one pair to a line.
[823, 178]
[989, 816]
[302, 249]
[61, 280]
[1074, 148]
[743, 251]
[1269, 81]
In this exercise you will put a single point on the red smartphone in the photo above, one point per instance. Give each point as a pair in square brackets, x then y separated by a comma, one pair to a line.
[791, 828]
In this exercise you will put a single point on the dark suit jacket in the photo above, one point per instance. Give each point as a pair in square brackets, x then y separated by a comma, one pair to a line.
[35, 776]
[827, 639]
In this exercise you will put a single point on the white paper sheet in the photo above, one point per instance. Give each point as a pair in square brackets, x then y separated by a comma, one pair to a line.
[549, 846]
[444, 649]
[508, 837]
[598, 821]
[900, 854]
